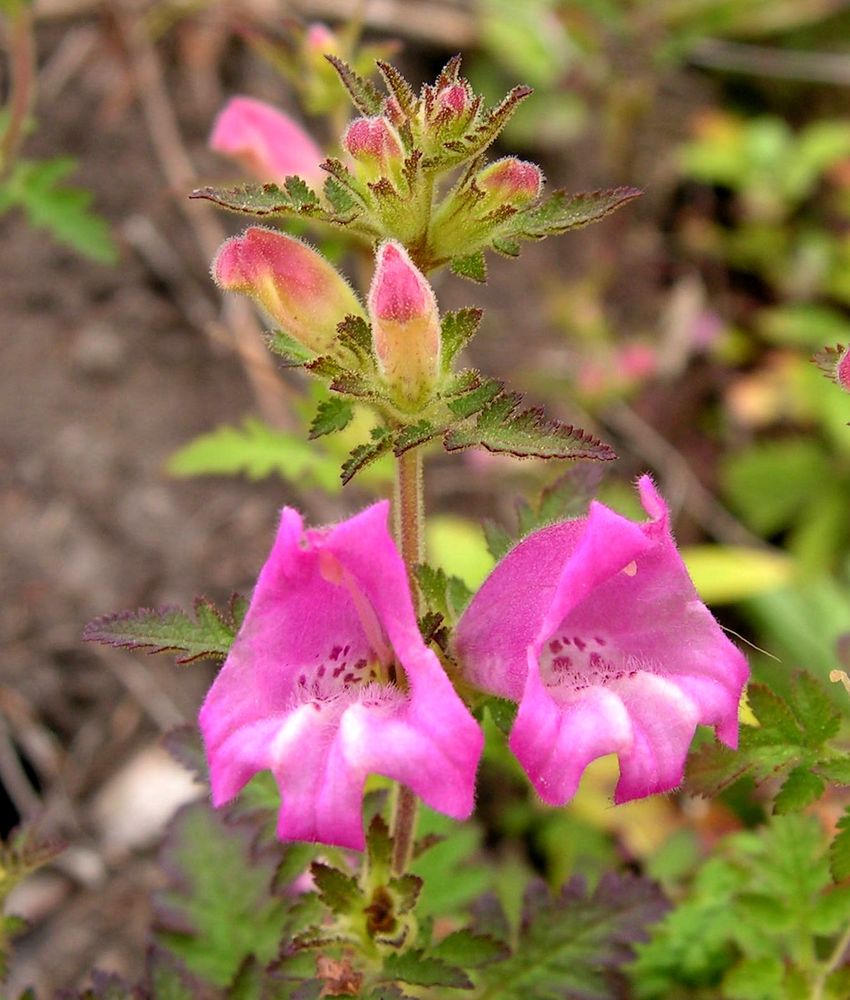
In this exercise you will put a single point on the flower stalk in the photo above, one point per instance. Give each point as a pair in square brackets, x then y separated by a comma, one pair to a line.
[409, 525]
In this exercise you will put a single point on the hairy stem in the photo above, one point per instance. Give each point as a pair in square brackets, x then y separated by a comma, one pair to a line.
[409, 523]
[831, 964]
[22, 93]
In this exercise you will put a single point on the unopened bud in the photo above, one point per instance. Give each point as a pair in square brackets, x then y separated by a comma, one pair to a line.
[405, 326]
[454, 100]
[511, 181]
[842, 371]
[320, 40]
[376, 146]
[266, 141]
[302, 293]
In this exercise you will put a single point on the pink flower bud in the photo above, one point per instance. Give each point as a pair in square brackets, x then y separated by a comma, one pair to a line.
[302, 293]
[374, 143]
[266, 141]
[842, 371]
[511, 181]
[454, 101]
[405, 325]
[320, 39]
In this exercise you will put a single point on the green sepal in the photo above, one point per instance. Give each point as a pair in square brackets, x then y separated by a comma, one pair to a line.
[364, 94]
[332, 415]
[208, 635]
[526, 433]
[293, 352]
[457, 329]
[364, 454]
[399, 88]
[338, 890]
[418, 969]
[473, 267]
[562, 211]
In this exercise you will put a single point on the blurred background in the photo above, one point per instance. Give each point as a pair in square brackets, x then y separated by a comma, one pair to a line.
[148, 440]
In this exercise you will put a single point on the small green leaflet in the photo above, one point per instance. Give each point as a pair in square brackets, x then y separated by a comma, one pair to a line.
[333, 414]
[458, 328]
[295, 198]
[294, 353]
[526, 433]
[380, 443]
[473, 267]
[839, 850]
[419, 969]
[443, 594]
[257, 451]
[364, 94]
[208, 635]
[790, 740]
[34, 186]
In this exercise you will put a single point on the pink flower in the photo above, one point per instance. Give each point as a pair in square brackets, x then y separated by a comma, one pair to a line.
[595, 628]
[266, 141]
[329, 680]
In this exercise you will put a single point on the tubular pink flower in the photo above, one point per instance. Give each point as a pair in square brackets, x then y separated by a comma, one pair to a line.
[306, 691]
[595, 628]
[266, 141]
[405, 325]
[304, 294]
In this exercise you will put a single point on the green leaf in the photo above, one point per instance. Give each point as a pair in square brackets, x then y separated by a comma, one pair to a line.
[207, 635]
[458, 328]
[64, 211]
[499, 540]
[801, 788]
[294, 199]
[339, 197]
[355, 334]
[257, 451]
[217, 910]
[577, 943]
[839, 849]
[526, 433]
[364, 454]
[791, 736]
[413, 435]
[473, 267]
[364, 94]
[420, 970]
[444, 594]
[301, 194]
[333, 414]
[755, 979]
[338, 890]
[562, 211]
[470, 950]
[379, 847]
[475, 397]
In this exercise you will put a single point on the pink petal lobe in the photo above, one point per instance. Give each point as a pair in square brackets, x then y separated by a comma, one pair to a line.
[268, 142]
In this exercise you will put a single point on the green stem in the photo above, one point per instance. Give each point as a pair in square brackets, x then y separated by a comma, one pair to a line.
[22, 75]
[830, 965]
[409, 523]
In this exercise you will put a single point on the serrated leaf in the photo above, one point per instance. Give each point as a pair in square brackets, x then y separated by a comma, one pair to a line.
[458, 328]
[302, 196]
[379, 846]
[64, 211]
[413, 435]
[364, 454]
[355, 334]
[563, 211]
[420, 970]
[446, 595]
[364, 94]
[339, 197]
[292, 351]
[473, 267]
[338, 890]
[470, 950]
[800, 788]
[526, 433]
[475, 398]
[262, 200]
[576, 944]
[836, 770]
[257, 451]
[839, 849]
[217, 910]
[169, 629]
[790, 737]
[405, 890]
[332, 415]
